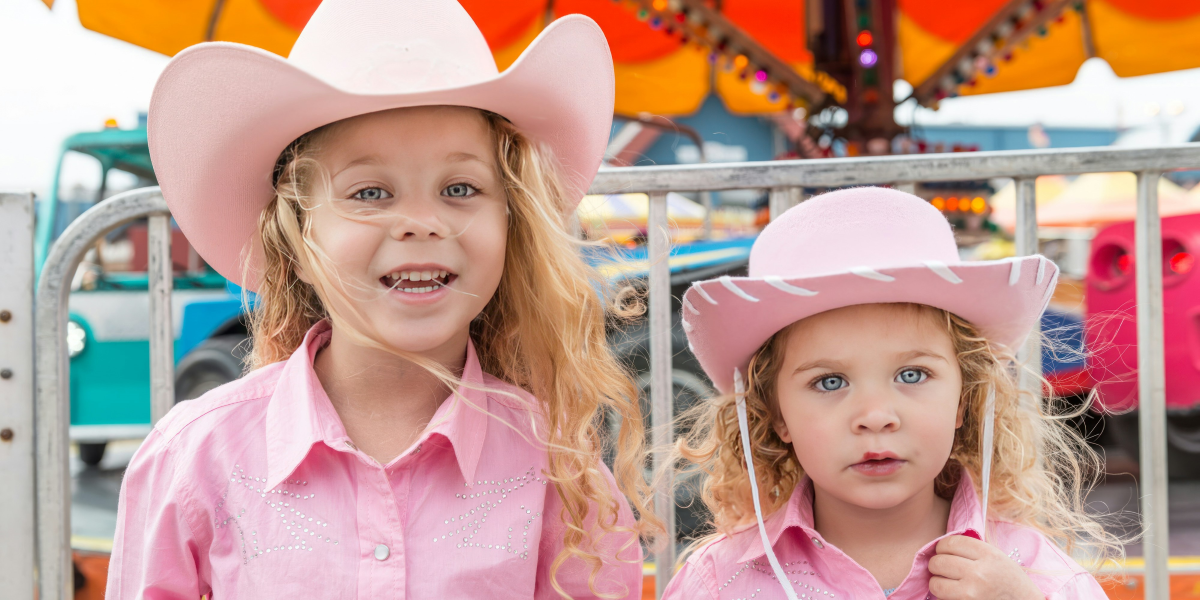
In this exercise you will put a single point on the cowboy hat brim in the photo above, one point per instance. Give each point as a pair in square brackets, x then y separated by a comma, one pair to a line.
[222, 113]
[729, 318]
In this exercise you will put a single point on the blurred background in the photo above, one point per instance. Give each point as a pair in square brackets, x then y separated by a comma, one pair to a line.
[698, 81]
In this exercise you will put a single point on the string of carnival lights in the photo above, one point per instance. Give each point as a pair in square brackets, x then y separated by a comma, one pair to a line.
[994, 44]
[729, 48]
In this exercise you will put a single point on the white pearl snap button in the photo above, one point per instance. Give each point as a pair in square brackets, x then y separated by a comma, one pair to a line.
[382, 552]
[816, 543]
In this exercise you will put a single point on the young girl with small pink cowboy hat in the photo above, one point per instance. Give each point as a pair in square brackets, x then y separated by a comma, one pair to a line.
[429, 348]
[870, 375]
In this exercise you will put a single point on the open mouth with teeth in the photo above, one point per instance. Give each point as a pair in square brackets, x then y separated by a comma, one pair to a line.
[417, 282]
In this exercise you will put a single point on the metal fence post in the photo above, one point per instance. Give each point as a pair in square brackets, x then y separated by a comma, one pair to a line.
[1026, 244]
[53, 377]
[1152, 396]
[17, 514]
[661, 396]
[779, 200]
[162, 339]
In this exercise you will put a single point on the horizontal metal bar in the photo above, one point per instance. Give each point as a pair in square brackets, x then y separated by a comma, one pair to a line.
[93, 434]
[55, 575]
[839, 172]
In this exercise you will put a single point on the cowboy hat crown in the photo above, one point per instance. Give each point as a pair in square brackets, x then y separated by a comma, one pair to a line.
[393, 47]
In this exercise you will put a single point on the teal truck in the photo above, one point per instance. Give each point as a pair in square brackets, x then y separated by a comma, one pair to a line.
[109, 325]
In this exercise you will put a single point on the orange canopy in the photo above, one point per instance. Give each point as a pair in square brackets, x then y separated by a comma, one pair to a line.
[655, 72]
[1136, 37]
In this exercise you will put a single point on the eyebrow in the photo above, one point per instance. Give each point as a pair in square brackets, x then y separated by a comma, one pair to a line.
[370, 159]
[922, 353]
[464, 157]
[822, 363]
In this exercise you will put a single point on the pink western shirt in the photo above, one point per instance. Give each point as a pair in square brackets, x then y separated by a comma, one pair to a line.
[254, 491]
[737, 567]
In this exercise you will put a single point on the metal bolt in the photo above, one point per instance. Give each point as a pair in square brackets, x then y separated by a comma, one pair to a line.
[6, 434]
[5, 373]
[5, 316]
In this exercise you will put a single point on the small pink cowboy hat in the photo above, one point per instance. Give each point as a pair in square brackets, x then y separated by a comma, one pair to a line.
[858, 246]
[222, 113]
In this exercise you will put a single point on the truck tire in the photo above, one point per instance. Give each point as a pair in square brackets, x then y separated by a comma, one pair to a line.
[1183, 449]
[92, 453]
[213, 363]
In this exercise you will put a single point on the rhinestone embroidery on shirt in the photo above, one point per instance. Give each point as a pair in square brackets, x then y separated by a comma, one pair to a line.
[304, 528]
[472, 520]
[1016, 556]
[798, 570]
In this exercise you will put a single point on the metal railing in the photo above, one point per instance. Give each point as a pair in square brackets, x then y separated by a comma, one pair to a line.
[784, 180]
[53, 375]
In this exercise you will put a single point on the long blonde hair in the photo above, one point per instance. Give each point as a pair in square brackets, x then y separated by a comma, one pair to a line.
[543, 330]
[1042, 469]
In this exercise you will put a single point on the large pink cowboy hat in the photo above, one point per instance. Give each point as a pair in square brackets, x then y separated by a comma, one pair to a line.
[858, 246]
[222, 113]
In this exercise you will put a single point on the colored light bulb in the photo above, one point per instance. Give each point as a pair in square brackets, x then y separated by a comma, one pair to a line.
[868, 58]
[864, 38]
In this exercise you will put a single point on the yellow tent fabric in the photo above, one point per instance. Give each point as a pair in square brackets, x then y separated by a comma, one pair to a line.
[1136, 37]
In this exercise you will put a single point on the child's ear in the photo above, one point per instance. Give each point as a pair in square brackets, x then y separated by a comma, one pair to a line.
[781, 430]
[299, 271]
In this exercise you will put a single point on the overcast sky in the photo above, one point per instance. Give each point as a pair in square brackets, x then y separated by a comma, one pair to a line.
[57, 78]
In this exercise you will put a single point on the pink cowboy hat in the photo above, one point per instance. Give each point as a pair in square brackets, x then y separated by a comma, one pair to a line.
[222, 113]
[858, 246]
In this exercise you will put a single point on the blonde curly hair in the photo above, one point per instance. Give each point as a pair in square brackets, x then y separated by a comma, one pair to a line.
[543, 330]
[1042, 469]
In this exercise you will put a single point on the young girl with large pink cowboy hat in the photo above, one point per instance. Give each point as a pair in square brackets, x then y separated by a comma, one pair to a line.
[870, 376]
[429, 348]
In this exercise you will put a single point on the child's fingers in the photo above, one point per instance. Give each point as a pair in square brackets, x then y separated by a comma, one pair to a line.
[943, 589]
[961, 545]
[950, 566]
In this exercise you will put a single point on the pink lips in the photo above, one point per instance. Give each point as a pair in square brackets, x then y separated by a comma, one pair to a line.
[878, 464]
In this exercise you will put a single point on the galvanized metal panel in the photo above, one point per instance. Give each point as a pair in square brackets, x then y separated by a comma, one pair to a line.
[17, 515]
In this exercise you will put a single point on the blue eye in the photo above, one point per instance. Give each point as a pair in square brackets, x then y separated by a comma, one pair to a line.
[911, 376]
[831, 383]
[371, 194]
[460, 190]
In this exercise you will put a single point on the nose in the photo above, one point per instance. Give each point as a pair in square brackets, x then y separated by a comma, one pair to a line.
[418, 219]
[876, 415]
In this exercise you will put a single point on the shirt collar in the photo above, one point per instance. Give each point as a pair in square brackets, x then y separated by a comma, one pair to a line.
[299, 413]
[965, 516]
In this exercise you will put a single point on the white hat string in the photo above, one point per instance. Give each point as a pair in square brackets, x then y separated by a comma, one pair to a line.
[989, 426]
[740, 395]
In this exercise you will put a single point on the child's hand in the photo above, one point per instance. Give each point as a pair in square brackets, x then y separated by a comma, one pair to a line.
[968, 569]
